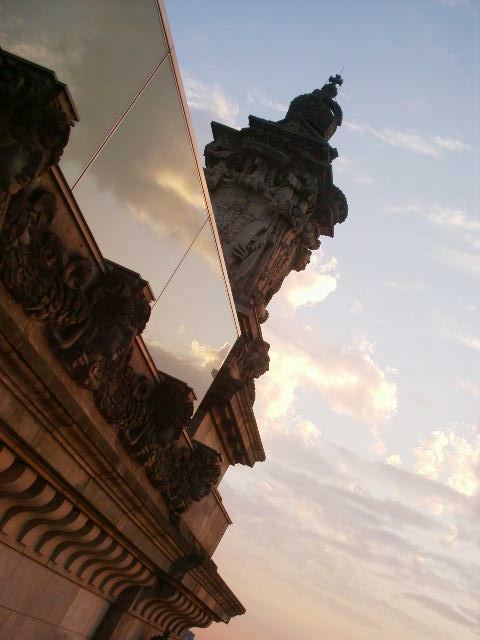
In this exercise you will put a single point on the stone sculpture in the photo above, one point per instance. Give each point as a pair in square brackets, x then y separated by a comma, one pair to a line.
[273, 195]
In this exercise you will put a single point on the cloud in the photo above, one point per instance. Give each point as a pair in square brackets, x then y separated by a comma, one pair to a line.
[449, 457]
[394, 459]
[207, 357]
[346, 538]
[258, 97]
[211, 97]
[442, 609]
[313, 285]
[181, 187]
[357, 307]
[411, 141]
[472, 342]
[470, 388]
[451, 144]
[468, 263]
[448, 218]
[349, 381]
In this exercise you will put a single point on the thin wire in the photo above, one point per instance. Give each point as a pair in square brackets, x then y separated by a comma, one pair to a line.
[179, 264]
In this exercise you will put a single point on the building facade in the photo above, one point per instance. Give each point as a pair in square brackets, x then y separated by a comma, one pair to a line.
[120, 409]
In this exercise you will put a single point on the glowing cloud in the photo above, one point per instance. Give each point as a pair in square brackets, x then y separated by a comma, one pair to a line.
[313, 285]
[350, 382]
[211, 97]
[449, 457]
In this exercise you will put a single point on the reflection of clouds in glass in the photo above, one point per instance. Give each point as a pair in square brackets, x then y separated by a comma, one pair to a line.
[103, 54]
[197, 368]
[176, 183]
[208, 357]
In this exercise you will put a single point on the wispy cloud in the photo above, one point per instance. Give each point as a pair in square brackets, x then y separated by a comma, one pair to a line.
[464, 261]
[469, 387]
[448, 218]
[450, 457]
[313, 285]
[359, 174]
[256, 96]
[349, 381]
[441, 608]
[411, 141]
[472, 342]
[211, 97]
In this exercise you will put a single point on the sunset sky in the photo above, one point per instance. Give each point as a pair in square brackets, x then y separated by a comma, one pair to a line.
[364, 523]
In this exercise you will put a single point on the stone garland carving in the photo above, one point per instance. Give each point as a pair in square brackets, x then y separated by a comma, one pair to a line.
[91, 327]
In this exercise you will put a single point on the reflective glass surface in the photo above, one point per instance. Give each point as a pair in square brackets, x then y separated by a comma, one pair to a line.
[191, 329]
[103, 50]
[142, 196]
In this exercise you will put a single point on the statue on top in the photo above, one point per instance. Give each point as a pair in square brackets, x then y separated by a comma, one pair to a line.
[318, 110]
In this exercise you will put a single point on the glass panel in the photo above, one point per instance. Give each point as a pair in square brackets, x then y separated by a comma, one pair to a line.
[103, 50]
[192, 328]
[142, 196]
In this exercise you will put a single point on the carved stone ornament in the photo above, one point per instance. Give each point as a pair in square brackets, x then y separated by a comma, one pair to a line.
[272, 193]
[34, 128]
[253, 360]
[182, 475]
[91, 320]
[91, 327]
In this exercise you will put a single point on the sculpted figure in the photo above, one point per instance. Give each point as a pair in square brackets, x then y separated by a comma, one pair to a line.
[118, 312]
[33, 129]
[183, 475]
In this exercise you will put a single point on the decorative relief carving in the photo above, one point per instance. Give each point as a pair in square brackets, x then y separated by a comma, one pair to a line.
[182, 475]
[91, 318]
[34, 129]
[91, 324]
[273, 195]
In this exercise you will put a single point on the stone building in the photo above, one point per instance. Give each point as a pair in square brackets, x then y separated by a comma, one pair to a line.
[120, 409]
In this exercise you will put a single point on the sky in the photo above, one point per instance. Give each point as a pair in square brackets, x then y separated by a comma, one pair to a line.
[364, 520]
